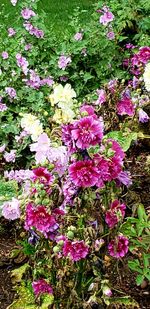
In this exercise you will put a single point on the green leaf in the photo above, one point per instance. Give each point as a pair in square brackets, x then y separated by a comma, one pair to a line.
[139, 279]
[47, 300]
[123, 139]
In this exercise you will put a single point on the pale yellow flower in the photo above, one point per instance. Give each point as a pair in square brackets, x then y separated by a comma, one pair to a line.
[32, 126]
[63, 116]
[62, 94]
[146, 76]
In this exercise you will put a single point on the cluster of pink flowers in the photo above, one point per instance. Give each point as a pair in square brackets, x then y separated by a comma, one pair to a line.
[22, 63]
[115, 213]
[76, 250]
[63, 62]
[10, 156]
[27, 13]
[19, 175]
[41, 287]
[11, 209]
[37, 217]
[118, 247]
[34, 30]
[36, 82]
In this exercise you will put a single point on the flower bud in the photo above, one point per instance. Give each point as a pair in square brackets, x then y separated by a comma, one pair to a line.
[56, 249]
[70, 235]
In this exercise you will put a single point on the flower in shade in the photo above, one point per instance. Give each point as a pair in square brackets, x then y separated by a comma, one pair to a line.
[107, 291]
[5, 55]
[118, 247]
[11, 92]
[78, 36]
[63, 62]
[11, 32]
[11, 209]
[2, 148]
[115, 213]
[10, 156]
[83, 173]
[41, 287]
[143, 117]
[101, 97]
[146, 77]
[76, 250]
[37, 217]
[27, 13]
[87, 132]
[110, 35]
[106, 18]
[43, 175]
[125, 107]
[3, 107]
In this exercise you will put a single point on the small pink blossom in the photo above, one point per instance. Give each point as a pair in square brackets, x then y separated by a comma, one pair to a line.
[28, 47]
[11, 92]
[11, 32]
[11, 210]
[76, 250]
[27, 13]
[63, 62]
[41, 148]
[143, 117]
[115, 213]
[78, 36]
[41, 287]
[107, 291]
[106, 18]
[2, 148]
[3, 107]
[125, 107]
[10, 156]
[110, 35]
[5, 55]
[118, 247]
[22, 63]
[101, 97]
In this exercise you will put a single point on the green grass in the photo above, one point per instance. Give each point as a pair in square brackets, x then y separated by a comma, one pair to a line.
[57, 12]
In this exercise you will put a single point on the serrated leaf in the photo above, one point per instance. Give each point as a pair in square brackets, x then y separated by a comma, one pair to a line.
[139, 279]
[18, 273]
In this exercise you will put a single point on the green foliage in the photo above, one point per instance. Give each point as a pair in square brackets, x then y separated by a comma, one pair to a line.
[7, 190]
[124, 139]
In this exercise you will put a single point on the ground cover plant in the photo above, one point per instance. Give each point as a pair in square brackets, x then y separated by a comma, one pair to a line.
[74, 158]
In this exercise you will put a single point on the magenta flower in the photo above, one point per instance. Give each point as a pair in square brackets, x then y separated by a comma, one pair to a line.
[11, 32]
[143, 117]
[11, 210]
[118, 247]
[67, 137]
[76, 250]
[10, 156]
[63, 62]
[38, 218]
[27, 13]
[110, 35]
[43, 175]
[5, 55]
[125, 107]
[106, 18]
[87, 132]
[89, 110]
[11, 92]
[101, 97]
[124, 178]
[83, 173]
[115, 213]
[78, 36]
[41, 287]
[3, 107]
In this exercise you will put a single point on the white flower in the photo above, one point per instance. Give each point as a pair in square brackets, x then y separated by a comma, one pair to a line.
[32, 126]
[146, 76]
[62, 95]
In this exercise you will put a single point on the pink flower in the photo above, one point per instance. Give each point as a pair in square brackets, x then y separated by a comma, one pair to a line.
[33, 30]
[2, 148]
[43, 175]
[47, 81]
[115, 213]
[83, 173]
[112, 85]
[78, 36]
[67, 137]
[11, 92]
[11, 210]
[76, 250]
[118, 247]
[124, 178]
[41, 148]
[59, 157]
[107, 291]
[110, 35]
[41, 287]
[144, 54]
[27, 13]
[5, 55]
[28, 47]
[63, 62]
[10, 156]
[106, 18]
[22, 63]
[87, 132]
[11, 32]
[101, 97]
[38, 218]
[3, 107]
[143, 117]
[125, 107]
[34, 81]
[89, 110]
